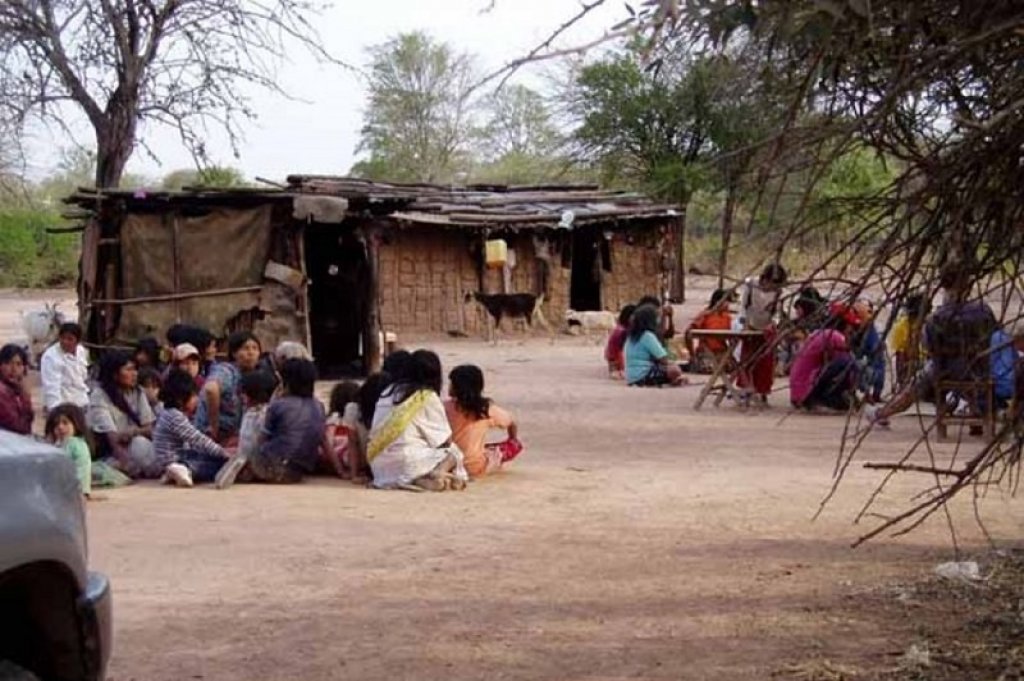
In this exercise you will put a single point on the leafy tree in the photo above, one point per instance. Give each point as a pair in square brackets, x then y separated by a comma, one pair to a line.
[648, 126]
[182, 63]
[224, 177]
[518, 121]
[418, 122]
[934, 88]
[518, 142]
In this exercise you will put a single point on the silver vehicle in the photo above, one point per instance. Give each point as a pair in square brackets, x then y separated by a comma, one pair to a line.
[55, 615]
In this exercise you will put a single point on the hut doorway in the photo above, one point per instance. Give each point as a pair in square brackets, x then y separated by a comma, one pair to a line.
[585, 285]
[339, 297]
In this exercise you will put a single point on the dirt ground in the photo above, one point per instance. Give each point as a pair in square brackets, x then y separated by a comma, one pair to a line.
[634, 539]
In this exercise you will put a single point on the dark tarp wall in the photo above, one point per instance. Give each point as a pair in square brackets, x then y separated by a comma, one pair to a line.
[223, 248]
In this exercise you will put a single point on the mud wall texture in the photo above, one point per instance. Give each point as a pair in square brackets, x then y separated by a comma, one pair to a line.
[425, 274]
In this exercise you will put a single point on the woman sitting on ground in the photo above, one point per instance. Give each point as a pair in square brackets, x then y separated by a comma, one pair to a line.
[220, 402]
[121, 419]
[824, 372]
[410, 443]
[472, 416]
[647, 360]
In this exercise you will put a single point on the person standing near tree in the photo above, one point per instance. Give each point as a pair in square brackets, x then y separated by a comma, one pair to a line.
[757, 355]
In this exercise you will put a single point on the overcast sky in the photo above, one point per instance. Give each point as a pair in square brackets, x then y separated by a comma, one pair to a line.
[318, 133]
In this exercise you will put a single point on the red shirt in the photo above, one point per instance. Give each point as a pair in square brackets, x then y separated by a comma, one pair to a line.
[616, 343]
[712, 320]
[15, 409]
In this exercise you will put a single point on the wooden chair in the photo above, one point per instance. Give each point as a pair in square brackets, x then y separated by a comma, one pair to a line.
[979, 394]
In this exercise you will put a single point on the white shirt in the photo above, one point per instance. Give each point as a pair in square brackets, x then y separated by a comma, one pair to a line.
[417, 451]
[64, 377]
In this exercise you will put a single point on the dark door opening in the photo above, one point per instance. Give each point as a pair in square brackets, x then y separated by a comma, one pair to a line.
[585, 286]
[339, 296]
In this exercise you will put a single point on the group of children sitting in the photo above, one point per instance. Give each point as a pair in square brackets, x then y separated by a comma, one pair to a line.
[640, 348]
[396, 431]
[254, 417]
[832, 351]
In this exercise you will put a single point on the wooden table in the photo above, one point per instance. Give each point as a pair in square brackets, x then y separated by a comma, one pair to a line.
[724, 372]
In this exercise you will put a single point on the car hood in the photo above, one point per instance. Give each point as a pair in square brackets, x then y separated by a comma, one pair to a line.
[42, 517]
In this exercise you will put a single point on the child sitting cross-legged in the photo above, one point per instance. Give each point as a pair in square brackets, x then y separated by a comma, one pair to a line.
[257, 388]
[472, 416]
[347, 434]
[294, 433]
[187, 454]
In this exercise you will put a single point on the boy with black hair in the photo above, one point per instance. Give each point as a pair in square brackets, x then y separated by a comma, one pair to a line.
[188, 455]
[64, 369]
[294, 430]
[257, 388]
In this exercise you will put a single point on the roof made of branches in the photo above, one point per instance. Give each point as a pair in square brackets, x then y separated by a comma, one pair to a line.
[471, 207]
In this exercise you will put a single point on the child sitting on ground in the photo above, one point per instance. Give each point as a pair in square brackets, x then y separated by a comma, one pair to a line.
[471, 416]
[257, 388]
[346, 432]
[716, 317]
[151, 383]
[187, 358]
[294, 433]
[65, 428]
[906, 339]
[187, 455]
[614, 350]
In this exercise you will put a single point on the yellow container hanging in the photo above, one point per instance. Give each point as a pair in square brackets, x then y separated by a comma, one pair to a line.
[496, 253]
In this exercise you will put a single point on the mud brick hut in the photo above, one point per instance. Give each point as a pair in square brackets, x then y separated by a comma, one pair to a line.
[333, 261]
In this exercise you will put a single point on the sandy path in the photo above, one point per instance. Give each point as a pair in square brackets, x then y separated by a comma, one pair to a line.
[635, 538]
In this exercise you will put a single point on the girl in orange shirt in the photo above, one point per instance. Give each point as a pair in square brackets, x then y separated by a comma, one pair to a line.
[715, 318]
[471, 416]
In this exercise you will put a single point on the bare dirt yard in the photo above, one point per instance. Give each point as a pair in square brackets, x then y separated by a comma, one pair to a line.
[635, 539]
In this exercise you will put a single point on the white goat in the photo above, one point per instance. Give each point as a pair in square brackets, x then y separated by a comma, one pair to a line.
[41, 328]
[599, 320]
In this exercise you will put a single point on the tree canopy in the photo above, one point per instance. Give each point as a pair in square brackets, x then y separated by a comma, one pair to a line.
[122, 63]
[417, 121]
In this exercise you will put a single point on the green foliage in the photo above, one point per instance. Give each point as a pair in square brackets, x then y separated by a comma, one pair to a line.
[417, 121]
[656, 128]
[220, 177]
[29, 256]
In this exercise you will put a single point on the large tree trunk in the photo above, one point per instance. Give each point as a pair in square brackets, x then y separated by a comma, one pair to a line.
[115, 141]
[727, 216]
[678, 292]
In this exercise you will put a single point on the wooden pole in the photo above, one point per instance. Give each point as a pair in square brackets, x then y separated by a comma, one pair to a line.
[678, 292]
[372, 327]
[170, 296]
[727, 215]
[175, 260]
[303, 292]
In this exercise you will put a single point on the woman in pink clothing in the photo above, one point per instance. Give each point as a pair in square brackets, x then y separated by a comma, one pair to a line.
[824, 372]
[472, 416]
